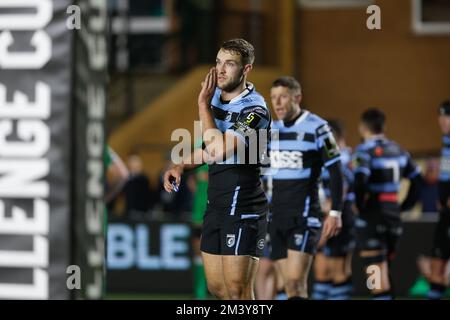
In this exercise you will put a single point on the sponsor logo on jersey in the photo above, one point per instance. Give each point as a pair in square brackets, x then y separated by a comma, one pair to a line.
[286, 159]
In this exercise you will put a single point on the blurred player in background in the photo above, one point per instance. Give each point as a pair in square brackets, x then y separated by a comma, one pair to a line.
[380, 164]
[116, 177]
[441, 242]
[269, 281]
[306, 145]
[332, 265]
[198, 210]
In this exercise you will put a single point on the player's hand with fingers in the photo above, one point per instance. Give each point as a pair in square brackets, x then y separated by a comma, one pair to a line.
[208, 89]
[332, 226]
[172, 178]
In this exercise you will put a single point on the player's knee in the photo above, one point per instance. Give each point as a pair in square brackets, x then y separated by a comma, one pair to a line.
[236, 290]
[297, 285]
[437, 277]
[340, 276]
[218, 290]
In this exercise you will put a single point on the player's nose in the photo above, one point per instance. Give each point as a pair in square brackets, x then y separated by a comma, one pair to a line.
[220, 69]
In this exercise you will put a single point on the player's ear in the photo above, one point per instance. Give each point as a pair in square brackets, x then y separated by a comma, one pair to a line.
[298, 98]
[247, 69]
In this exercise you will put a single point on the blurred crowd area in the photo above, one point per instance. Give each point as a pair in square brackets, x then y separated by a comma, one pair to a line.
[144, 199]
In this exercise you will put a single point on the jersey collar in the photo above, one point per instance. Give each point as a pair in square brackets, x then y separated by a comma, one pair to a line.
[376, 137]
[302, 117]
[249, 88]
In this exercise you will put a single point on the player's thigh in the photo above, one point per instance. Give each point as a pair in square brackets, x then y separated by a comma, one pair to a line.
[339, 268]
[298, 264]
[441, 240]
[438, 267]
[321, 267]
[266, 267]
[213, 269]
[239, 270]
[280, 270]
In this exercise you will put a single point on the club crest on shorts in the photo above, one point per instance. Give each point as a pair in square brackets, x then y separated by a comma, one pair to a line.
[298, 239]
[230, 240]
[260, 244]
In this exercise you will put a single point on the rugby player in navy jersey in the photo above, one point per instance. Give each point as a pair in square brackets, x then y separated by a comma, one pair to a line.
[380, 164]
[441, 241]
[306, 145]
[332, 265]
[234, 227]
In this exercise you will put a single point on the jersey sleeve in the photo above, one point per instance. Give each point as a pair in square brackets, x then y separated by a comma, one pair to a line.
[361, 162]
[411, 169]
[249, 121]
[326, 143]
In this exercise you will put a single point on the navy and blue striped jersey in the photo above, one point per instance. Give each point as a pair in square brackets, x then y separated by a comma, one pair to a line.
[444, 173]
[234, 184]
[382, 163]
[296, 161]
[346, 161]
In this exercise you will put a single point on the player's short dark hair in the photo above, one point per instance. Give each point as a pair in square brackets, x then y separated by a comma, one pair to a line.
[242, 47]
[337, 127]
[444, 108]
[287, 82]
[374, 119]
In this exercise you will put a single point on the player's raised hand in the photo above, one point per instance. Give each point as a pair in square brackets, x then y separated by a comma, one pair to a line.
[208, 89]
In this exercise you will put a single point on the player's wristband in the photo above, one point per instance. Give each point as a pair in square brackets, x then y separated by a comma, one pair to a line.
[335, 213]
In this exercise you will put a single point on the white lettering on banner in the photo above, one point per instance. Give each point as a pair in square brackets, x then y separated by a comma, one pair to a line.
[94, 187]
[26, 259]
[144, 260]
[128, 248]
[21, 108]
[94, 39]
[19, 223]
[170, 236]
[25, 60]
[26, 21]
[24, 143]
[120, 247]
[19, 178]
[40, 40]
[95, 42]
[37, 290]
[34, 132]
